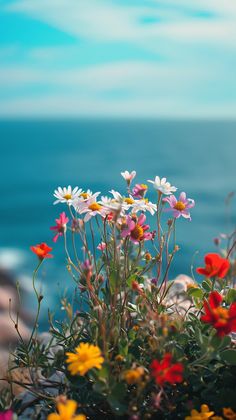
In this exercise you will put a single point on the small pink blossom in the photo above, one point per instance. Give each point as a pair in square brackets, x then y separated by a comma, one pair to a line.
[87, 267]
[136, 229]
[60, 227]
[6, 415]
[128, 176]
[102, 246]
[139, 190]
[181, 206]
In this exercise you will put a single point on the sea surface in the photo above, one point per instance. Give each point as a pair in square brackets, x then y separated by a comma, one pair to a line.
[198, 157]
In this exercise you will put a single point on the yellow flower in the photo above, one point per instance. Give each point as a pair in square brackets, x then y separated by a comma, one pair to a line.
[86, 357]
[204, 414]
[229, 413]
[133, 376]
[66, 411]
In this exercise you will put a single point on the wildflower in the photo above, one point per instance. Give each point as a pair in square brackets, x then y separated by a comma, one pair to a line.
[102, 246]
[85, 195]
[229, 413]
[91, 207]
[60, 226]
[128, 176]
[136, 229]
[6, 415]
[144, 205]
[119, 358]
[203, 414]
[222, 319]
[216, 266]
[66, 411]
[181, 206]
[66, 195]
[139, 190]
[86, 357]
[165, 371]
[87, 267]
[162, 186]
[133, 376]
[118, 204]
[42, 250]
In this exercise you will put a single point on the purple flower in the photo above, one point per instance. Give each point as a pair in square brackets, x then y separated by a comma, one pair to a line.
[181, 206]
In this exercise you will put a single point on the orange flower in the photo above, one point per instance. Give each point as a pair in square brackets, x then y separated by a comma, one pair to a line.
[42, 250]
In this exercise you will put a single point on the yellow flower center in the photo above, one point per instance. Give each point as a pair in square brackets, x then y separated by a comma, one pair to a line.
[129, 200]
[137, 232]
[94, 207]
[223, 314]
[144, 186]
[84, 195]
[180, 206]
[67, 196]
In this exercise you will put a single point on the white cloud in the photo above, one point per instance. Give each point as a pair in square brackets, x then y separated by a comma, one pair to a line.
[132, 88]
[108, 21]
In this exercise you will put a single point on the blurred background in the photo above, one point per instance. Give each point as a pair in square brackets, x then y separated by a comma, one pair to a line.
[91, 88]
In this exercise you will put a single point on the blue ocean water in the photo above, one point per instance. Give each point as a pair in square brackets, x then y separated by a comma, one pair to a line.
[37, 156]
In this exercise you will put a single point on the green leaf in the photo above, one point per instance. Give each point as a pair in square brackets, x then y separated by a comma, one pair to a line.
[229, 356]
[230, 296]
[206, 285]
[195, 292]
[130, 280]
[220, 343]
[116, 398]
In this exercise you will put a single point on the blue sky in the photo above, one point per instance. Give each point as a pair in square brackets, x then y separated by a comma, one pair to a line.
[118, 58]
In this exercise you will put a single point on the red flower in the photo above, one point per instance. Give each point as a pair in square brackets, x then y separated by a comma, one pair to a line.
[215, 266]
[165, 371]
[222, 319]
[42, 250]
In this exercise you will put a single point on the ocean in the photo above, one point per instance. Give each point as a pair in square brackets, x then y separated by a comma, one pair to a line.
[38, 156]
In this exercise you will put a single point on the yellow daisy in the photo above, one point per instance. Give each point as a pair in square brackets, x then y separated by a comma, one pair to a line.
[66, 411]
[86, 357]
[203, 414]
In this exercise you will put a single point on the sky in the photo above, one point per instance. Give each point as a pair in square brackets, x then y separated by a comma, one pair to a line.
[118, 58]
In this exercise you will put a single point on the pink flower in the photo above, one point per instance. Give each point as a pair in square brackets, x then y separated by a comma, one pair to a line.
[181, 206]
[6, 415]
[60, 226]
[102, 246]
[87, 266]
[136, 229]
[139, 190]
[128, 176]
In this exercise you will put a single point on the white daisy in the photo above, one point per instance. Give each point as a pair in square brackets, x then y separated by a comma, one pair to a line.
[144, 205]
[91, 207]
[66, 195]
[79, 202]
[161, 185]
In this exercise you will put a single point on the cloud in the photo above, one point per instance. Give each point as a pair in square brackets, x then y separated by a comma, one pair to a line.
[194, 76]
[131, 88]
[110, 21]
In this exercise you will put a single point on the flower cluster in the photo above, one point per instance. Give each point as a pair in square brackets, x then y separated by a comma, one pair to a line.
[132, 343]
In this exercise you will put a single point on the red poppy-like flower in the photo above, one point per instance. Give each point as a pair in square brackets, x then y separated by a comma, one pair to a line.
[215, 266]
[222, 319]
[165, 371]
[42, 250]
